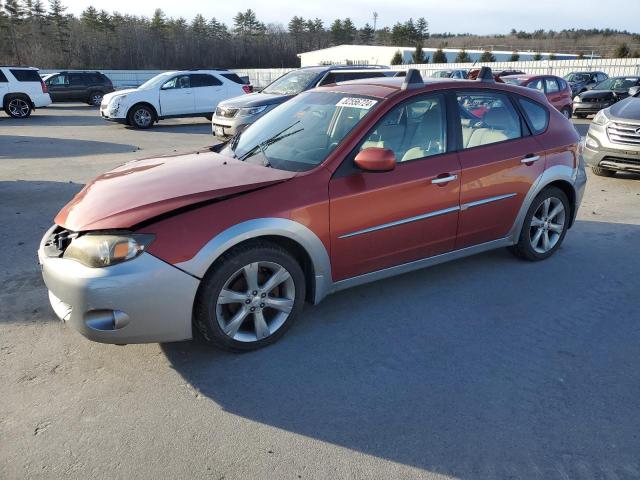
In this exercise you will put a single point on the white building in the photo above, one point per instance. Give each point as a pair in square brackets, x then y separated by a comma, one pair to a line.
[381, 55]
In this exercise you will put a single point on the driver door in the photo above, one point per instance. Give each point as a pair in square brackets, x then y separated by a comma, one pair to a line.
[176, 97]
[383, 219]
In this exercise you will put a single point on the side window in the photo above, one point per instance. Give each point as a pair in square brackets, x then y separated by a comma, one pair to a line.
[412, 130]
[204, 80]
[537, 85]
[59, 80]
[538, 115]
[487, 117]
[181, 81]
[602, 77]
[24, 75]
[552, 85]
[77, 79]
[3, 78]
[561, 84]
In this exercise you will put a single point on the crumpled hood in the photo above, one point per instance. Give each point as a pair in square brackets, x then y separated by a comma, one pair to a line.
[256, 99]
[604, 94]
[627, 109]
[143, 189]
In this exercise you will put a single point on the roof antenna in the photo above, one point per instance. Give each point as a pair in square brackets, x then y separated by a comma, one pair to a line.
[413, 79]
[486, 75]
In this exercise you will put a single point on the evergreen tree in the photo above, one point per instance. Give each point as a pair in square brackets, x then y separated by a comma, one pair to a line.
[418, 54]
[367, 35]
[552, 56]
[621, 51]
[349, 30]
[336, 32]
[515, 57]
[422, 28]
[397, 58]
[487, 56]
[439, 56]
[462, 57]
[537, 56]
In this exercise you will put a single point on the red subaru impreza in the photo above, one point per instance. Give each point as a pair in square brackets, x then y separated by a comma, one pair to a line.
[342, 185]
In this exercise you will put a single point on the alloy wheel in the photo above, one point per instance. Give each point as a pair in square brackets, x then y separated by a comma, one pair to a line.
[547, 225]
[96, 99]
[255, 301]
[142, 117]
[18, 108]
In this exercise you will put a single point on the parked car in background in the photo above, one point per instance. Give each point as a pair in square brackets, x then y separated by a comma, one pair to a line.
[234, 115]
[555, 89]
[78, 86]
[342, 185]
[461, 74]
[192, 93]
[497, 76]
[582, 81]
[21, 91]
[603, 95]
[612, 143]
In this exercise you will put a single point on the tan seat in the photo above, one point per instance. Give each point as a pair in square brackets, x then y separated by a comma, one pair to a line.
[498, 127]
[425, 136]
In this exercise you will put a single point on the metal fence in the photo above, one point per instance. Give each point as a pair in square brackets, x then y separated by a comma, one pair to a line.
[261, 77]
[611, 66]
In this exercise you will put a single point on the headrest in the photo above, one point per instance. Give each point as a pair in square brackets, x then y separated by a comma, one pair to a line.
[498, 118]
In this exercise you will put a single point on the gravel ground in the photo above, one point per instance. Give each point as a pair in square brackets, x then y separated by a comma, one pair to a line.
[484, 368]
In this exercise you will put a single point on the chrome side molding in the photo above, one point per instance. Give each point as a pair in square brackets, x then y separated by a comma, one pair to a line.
[484, 201]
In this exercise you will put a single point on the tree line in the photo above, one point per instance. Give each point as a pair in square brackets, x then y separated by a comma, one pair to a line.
[48, 36]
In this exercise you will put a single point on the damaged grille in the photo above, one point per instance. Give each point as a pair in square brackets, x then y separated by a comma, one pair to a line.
[58, 241]
[626, 133]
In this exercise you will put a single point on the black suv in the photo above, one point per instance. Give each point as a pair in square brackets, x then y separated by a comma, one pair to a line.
[74, 86]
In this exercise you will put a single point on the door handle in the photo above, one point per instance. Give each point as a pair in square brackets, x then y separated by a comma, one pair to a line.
[530, 159]
[447, 179]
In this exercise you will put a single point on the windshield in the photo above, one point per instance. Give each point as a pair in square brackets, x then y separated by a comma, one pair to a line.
[620, 83]
[299, 134]
[577, 77]
[156, 79]
[291, 83]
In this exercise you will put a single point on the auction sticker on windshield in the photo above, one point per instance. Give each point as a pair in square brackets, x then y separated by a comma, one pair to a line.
[356, 102]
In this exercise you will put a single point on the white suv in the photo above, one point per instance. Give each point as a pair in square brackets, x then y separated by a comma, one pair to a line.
[21, 91]
[193, 93]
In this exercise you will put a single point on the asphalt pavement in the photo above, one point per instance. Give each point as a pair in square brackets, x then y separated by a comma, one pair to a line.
[483, 368]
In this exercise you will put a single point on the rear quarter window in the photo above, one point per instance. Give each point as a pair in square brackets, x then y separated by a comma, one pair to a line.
[233, 77]
[3, 78]
[537, 114]
[25, 75]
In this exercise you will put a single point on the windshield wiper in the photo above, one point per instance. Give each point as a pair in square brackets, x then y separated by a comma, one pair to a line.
[262, 146]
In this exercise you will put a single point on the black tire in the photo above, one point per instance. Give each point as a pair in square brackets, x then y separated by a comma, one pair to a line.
[524, 248]
[581, 115]
[18, 106]
[95, 98]
[224, 270]
[567, 112]
[141, 116]
[603, 172]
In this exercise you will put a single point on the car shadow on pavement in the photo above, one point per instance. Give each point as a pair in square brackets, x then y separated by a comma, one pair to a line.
[21, 147]
[194, 126]
[484, 368]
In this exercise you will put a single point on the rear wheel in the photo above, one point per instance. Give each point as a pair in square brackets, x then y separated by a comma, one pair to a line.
[141, 116]
[545, 225]
[250, 297]
[581, 115]
[603, 172]
[95, 98]
[566, 111]
[18, 107]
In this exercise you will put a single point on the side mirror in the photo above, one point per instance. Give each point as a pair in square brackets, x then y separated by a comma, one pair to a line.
[375, 159]
[634, 91]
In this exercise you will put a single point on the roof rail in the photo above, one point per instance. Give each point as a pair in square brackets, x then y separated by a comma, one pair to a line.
[486, 75]
[413, 79]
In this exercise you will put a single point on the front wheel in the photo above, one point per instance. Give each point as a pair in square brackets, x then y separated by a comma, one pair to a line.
[581, 115]
[545, 225]
[141, 116]
[250, 297]
[18, 107]
[95, 98]
[566, 111]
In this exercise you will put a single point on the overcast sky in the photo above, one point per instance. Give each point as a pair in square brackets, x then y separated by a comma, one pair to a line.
[474, 16]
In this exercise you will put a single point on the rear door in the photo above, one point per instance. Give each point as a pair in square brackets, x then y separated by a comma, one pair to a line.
[78, 85]
[176, 96]
[208, 90]
[384, 219]
[499, 162]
